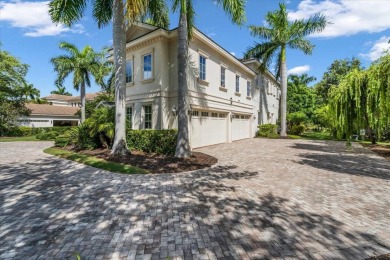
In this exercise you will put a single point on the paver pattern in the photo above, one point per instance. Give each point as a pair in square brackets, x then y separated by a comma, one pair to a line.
[290, 199]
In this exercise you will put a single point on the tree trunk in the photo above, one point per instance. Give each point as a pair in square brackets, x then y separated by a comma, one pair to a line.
[82, 96]
[183, 144]
[283, 96]
[119, 44]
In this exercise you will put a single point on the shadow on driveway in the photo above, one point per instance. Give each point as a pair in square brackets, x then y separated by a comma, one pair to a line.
[54, 207]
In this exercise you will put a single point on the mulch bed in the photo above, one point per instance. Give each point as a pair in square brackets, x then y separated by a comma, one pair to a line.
[381, 257]
[381, 150]
[156, 163]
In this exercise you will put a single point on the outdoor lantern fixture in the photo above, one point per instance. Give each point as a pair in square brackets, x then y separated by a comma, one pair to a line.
[174, 111]
[189, 112]
[231, 101]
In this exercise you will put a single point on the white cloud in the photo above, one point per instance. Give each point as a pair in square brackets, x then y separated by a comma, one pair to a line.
[233, 53]
[377, 49]
[211, 34]
[34, 18]
[299, 70]
[346, 17]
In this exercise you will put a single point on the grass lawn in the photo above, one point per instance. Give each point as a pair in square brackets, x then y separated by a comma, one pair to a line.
[378, 143]
[95, 162]
[17, 139]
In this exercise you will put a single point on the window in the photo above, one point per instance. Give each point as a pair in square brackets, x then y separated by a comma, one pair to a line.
[147, 59]
[129, 116]
[214, 114]
[195, 113]
[205, 113]
[223, 70]
[202, 67]
[147, 117]
[129, 71]
[237, 83]
[222, 115]
[248, 89]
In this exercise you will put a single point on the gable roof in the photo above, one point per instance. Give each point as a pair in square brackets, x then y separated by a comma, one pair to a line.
[45, 109]
[88, 96]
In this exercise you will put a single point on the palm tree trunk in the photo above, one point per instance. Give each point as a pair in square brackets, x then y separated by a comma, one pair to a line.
[183, 145]
[82, 96]
[283, 103]
[119, 43]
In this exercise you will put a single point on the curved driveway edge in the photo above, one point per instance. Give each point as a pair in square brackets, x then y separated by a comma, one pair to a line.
[264, 199]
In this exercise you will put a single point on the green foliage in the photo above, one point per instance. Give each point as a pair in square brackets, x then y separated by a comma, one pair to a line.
[297, 118]
[102, 124]
[61, 90]
[267, 130]
[51, 135]
[297, 129]
[334, 75]
[300, 97]
[62, 140]
[152, 141]
[321, 117]
[30, 131]
[362, 100]
[12, 98]
[80, 138]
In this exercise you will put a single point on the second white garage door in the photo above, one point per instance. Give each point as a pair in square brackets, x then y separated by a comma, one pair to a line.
[208, 128]
[241, 127]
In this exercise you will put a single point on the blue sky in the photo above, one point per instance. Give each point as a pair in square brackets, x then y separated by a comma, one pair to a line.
[358, 28]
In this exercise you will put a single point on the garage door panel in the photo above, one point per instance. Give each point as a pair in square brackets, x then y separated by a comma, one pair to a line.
[207, 130]
[240, 128]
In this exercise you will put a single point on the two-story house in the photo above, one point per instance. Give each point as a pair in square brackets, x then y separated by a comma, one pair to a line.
[228, 97]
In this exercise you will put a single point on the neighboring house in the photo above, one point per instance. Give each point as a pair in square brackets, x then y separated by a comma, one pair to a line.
[228, 97]
[44, 115]
[70, 101]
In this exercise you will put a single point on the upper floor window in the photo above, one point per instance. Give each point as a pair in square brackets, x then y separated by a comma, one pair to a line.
[148, 117]
[129, 71]
[223, 71]
[248, 89]
[148, 63]
[202, 67]
[237, 83]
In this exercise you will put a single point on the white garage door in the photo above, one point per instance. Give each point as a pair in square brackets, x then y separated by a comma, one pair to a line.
[241, 127]
[208, 128]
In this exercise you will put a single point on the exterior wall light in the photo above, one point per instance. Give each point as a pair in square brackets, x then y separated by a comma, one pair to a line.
[174, 111]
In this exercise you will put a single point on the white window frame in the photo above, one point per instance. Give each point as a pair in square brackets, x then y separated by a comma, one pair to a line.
[131, 115]
[202, 74]
[131, 61]
[248, 88]
[151, 66]
[223, 77]
[144, 116]
[237, 83]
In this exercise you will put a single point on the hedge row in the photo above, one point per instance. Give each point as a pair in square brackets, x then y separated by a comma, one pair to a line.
[30, 131]
[267, 130]
[152, 141]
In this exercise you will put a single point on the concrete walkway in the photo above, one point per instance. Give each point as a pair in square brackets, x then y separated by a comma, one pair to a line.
[264, 199]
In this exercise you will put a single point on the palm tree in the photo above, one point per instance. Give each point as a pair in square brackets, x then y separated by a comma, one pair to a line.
[235, 9]
[69, 12]
[299, 80]
[279, 34]
[61, 90]
[82, 64]
[29, 92]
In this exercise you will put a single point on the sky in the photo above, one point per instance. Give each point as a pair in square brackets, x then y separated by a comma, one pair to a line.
[356, 28]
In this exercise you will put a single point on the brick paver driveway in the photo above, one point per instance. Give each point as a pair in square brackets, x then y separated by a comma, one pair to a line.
[264, 199]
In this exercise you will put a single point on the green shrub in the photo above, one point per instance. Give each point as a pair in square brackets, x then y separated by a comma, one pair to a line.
[30, 131]
[297, 129]
[62, 140]
[81, 138]
[47, 135]
[152, 141]
[267, 130]
[296, 118]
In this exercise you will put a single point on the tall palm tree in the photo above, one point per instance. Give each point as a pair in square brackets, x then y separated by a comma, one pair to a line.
[82, 64]
[69, 12]
[279, 34]
[61, 90]
[236, 10]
